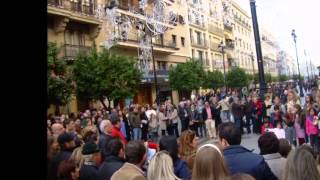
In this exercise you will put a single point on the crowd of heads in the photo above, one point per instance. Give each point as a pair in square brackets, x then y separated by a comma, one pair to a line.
[148, 143]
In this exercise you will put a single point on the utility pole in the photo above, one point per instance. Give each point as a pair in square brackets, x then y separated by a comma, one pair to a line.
[262, 81]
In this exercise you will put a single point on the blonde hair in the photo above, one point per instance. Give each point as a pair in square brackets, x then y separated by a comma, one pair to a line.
[77, 156]
[161, 167]
[301, 165]
[209, 164]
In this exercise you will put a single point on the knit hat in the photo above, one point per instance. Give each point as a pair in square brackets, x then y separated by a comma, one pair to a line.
[90, 148]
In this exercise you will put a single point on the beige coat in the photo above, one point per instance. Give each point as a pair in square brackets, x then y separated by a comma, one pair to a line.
[128, 172]
[162, 121]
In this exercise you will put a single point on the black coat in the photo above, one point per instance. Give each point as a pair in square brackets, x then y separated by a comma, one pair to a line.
[241, 160]
[205, 115]
[62, 155]
[110, 165]
[103, 142]
[88, 172]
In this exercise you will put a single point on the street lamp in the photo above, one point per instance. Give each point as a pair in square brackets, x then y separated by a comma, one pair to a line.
[262, 82]
[222, 46]
[294, 36]
[252, 58]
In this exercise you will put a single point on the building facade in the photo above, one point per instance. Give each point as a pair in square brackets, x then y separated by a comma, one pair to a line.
[72, 25]
[244, 52]
[269, 51]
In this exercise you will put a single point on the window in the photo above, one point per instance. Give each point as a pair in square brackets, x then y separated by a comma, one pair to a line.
[174, 39]
[207, 59]
[198, 37]
[182, 41]
[191, 37]
[192, 51]
[200, 56]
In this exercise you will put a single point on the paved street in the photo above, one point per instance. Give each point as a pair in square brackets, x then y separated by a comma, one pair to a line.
[249, 141]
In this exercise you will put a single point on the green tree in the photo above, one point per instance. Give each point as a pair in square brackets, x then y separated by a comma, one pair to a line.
[186, 76]
[296, 77]
[283, 78]
[236, 77]
[274, 79]
[106, 75]
[59, 79]
[268, 77]
[213, 79]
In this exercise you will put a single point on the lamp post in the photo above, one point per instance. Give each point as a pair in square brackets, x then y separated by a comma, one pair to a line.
[255, 87]
[294, 36]
[305, 54]
[222, 46]
[154, 72]
[262, 82]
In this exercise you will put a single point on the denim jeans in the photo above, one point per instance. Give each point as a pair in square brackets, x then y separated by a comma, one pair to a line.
[175, 129]
[237, 122]
[136, 133]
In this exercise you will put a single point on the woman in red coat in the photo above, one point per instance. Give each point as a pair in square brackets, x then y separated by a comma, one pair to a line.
[258, 115]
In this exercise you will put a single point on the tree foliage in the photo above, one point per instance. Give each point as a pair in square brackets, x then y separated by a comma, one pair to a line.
[186, 76]
[59, 79]
[236, 77]
[213, 79]
[283, 78]
[106, 75]
[268, 77]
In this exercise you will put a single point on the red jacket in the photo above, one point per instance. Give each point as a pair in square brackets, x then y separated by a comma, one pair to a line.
[118, 134]
[264, 128]
[258, 105]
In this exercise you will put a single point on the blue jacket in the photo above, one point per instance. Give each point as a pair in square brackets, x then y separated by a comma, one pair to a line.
[181, 170]
[242, 160]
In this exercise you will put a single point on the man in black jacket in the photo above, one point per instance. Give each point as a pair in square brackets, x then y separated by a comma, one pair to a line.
[92, 158]
[239, 159]
[67, 145]
[113, 161]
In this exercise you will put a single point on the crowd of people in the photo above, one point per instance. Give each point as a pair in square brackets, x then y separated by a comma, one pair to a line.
[161, 142]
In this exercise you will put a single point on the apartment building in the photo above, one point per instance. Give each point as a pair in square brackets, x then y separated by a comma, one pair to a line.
[74, 27]
[244, 52]
[205, 26]
[270, 50]
[169, 48]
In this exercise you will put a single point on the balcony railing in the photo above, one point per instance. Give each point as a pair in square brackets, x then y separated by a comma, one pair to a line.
[164, 44]
[79, 6]
[72, 51]
[228, 27]
[202, 43]
[197, 24]
[162, 75]
[215, 30]
[229, 44]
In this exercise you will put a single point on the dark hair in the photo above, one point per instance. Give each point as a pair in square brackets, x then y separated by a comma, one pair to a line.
[65, 168]
[135, 150]
[170, 144]
[268, 143]
[114, 121]
[230, 133]
[90, 136]
[67, 122]
[284, 147]
[276, 107]
[114, 146]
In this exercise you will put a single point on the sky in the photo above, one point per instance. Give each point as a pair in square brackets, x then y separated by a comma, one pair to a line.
[279, 17]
